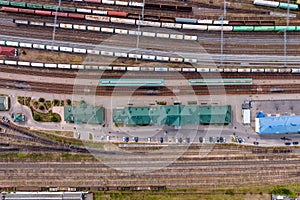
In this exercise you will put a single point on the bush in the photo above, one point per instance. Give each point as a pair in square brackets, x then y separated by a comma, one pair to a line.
[37, 118]
[161, 103]
[54, 119]
[82, 102]
[229, 192]
[41, 107]
[68, 102]
[55, 102]
[41, 100]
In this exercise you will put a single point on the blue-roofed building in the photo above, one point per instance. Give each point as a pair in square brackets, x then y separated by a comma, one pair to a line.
[277, 124]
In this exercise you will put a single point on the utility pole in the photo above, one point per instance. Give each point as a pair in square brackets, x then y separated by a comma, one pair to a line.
[222, 33]
[139, 28]
[55, 22]
[284, 35]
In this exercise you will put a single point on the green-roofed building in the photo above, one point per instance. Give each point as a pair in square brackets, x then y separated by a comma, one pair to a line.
[84, 114]
[3, 103]
[18, 117]
[176, 115]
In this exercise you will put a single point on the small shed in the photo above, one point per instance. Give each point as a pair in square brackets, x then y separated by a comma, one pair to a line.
[246, 116]
[8, 51]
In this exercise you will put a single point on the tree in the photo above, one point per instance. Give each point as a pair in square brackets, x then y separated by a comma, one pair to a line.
[55, 102]
[37, 117]
[68, 102]
[41, 107]
[41, 99]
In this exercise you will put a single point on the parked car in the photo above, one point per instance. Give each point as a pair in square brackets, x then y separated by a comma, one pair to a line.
[135, 139]
[295, 143]
[161, 140]
[256, 143]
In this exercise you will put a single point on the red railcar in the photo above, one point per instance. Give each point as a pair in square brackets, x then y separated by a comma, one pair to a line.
[9, 9]
[28, 11]
[77, 16]
[42, 12]
[117, 14]
[93, 1]
[59, 14]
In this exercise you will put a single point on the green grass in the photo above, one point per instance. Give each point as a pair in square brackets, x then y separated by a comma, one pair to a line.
[46, 117]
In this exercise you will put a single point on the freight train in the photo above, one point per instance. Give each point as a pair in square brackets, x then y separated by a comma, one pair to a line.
[92, 188]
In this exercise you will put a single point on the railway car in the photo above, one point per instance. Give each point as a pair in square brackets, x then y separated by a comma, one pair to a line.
[9, 9]
[76, 16]
[36, 23]
[97, 18]
[80, 27]
[171, 25]
[121, 3]
[204, 21]
[148, 23]
[67, 9]
[93, 28]
[18, 4]
[25, 45]
[93, 1]
[110, 2]
[83, 10]
[296, 70]
[42, 12]
[194, 27]
[288, 6]
[185, 20]
[50, 65]
[50, 7]
[272, 4]
[135, 4]
[99, 12]
[20, 22]
[122, 20]
[59, 14]
[4, 3]
[34, 6]
[26, 11]
[117, 14]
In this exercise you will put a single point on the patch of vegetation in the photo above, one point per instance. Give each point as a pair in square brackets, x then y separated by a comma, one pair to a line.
[54, 119]
[41, 107]
[82, 102]
[27, 101]
[192, 102]
[42, 100]
[21, 100]
[46, 117]
[35, 104]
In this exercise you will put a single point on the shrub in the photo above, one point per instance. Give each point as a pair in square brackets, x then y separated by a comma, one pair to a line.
[161, 103]
[41, 107]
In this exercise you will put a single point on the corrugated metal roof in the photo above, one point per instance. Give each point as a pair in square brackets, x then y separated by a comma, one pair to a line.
[279, 124]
